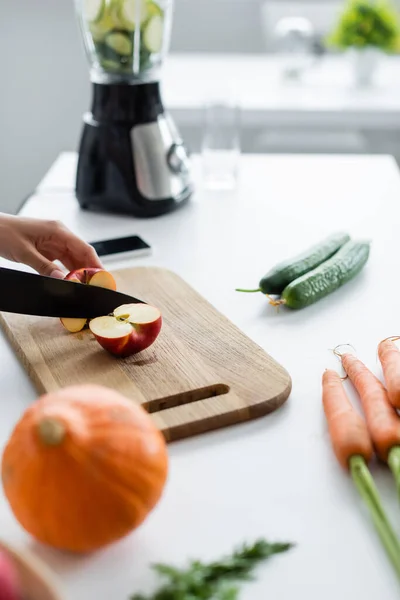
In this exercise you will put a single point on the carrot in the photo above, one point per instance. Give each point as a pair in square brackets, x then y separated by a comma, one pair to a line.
[353, 448]
[389, 355]
[382, 420]
[347, 429]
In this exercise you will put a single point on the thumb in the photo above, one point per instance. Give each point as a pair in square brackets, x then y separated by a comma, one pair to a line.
[43, 266]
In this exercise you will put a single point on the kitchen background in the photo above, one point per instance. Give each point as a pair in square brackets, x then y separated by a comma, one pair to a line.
[45, 82]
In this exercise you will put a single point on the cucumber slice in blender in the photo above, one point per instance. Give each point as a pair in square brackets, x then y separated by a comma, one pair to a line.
[120, 43]
[98, 33]
[130, 13]
[93, 10]
[100, 28]
[154, 9]
[153, 34]
[110, 65]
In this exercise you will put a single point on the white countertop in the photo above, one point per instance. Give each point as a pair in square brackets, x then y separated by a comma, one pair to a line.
[275, 477]
[325, 95]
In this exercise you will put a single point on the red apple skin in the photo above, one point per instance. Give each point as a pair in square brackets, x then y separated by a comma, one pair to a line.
[116, 346]
[85, 275]
[9, 584]
[81, 275]
[142, 337]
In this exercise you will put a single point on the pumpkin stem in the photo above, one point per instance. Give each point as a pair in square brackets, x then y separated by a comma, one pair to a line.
[51, 431]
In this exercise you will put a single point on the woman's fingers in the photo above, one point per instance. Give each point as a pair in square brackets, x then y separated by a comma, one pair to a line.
[78, 253]
[41, 264]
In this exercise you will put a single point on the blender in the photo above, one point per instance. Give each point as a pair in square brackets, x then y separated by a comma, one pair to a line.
[131, 156]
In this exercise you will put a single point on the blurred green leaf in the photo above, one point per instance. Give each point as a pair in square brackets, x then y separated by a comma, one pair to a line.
[213, 581]
[367, 23]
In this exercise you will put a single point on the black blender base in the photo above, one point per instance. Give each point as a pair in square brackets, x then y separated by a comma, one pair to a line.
[157, 209]
[145, 213]
[106, 175]
[109, 186]
[140, 208]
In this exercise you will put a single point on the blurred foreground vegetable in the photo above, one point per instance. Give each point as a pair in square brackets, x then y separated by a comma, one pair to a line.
[214, 580]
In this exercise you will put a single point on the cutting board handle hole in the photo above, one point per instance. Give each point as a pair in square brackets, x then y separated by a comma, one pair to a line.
[210, 391]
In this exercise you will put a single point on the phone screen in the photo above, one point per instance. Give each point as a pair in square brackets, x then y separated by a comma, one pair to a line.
[120, 245]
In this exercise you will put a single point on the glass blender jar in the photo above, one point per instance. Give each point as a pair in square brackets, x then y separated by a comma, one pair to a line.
[131, 157]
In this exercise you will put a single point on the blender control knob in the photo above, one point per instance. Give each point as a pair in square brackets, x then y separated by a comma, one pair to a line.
[178, 159]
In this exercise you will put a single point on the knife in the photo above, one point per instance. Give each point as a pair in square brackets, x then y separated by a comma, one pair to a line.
[31, 294]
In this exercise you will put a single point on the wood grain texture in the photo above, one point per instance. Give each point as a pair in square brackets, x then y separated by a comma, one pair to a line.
[202, 372]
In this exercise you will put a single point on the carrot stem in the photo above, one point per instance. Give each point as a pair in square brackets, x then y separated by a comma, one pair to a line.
[394, 464]
[247, 291]
[369, 493]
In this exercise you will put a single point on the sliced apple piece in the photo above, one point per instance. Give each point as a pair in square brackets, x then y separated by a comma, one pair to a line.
[93, 276]
[102, 279]
[90, 276]
[131, 329]
[73, 325]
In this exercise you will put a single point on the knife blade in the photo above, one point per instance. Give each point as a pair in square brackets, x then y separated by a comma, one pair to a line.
[31, 294]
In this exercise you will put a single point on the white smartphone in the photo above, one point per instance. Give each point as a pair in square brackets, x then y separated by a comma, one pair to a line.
[125, 247]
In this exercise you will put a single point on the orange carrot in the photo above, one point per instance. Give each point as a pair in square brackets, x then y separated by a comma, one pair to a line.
[347, 429]
[353, 448]
[389, 355]
[382, 420]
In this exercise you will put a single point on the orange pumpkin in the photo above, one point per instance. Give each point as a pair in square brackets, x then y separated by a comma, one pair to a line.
[83, 467]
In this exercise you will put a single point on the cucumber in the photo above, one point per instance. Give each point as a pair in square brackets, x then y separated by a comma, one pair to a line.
[275, 281]
[111, 65]
[112, 23]
[101, 28]
[120, 43]
[93, 10]
[154, 9]
[153, 34]
[145, 59]
[129, 14]
[98, 35]
[328, 277]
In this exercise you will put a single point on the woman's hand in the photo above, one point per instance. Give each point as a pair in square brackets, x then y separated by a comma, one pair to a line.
[38, 243]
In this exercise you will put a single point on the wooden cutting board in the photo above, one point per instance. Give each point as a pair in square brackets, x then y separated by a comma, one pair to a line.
[202, 372]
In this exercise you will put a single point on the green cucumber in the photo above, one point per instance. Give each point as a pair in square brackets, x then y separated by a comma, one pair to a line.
[111, 65]
[328, 277]
[145, 58]
[120, 43]
[101, 28]
[275, 281]
[154, 9]
[129, 14]
[112, 23]
[93, 10]
[153, 34]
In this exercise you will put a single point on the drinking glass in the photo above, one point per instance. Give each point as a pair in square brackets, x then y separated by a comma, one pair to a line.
[221, 144]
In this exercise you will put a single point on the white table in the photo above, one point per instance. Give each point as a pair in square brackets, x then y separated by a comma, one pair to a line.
[274, 477]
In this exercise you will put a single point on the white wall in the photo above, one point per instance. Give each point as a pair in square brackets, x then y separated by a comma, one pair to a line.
[44, 77]
[45, 88]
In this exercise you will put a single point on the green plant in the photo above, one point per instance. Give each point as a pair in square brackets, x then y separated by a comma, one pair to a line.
[213, 581]
[367, 23]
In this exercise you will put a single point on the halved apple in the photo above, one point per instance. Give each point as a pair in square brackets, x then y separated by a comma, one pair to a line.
[131, 329]
[90, 276]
